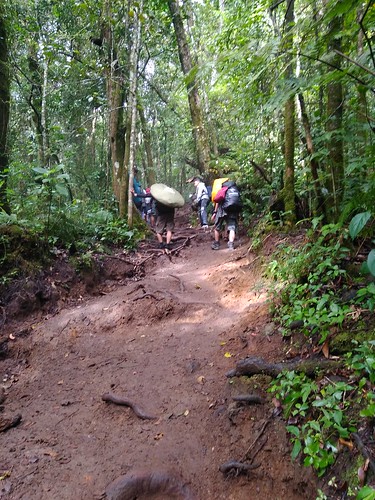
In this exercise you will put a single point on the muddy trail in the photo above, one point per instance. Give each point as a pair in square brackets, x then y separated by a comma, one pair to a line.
[164, 343]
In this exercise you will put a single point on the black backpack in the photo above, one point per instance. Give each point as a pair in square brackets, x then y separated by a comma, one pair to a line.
[232, 202]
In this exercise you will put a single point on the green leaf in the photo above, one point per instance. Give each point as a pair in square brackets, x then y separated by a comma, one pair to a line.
[40, 170]
[366, 493]
[296, 449]
[358, 223]
[371, 262]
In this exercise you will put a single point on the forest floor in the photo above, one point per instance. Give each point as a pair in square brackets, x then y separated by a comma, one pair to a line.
[164, 339]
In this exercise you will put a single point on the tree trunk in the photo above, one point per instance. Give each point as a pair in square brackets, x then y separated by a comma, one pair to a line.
[289, 117]
[4, 113]
[196, 112]
[36, 100]
[131, 118]
[150, 171]
[115, 99]
[318, 202]
[335, 184]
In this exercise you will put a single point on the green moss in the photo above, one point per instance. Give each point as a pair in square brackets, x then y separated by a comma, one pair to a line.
[343, 342]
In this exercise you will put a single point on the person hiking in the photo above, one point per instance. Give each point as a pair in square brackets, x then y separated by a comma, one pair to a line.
[202, 199]
[147, 208]
[227, 209]
[164, 222]
[164, 219]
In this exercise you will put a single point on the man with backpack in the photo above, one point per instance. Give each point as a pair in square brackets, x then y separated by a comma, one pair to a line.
[202, 199]
[227, 208]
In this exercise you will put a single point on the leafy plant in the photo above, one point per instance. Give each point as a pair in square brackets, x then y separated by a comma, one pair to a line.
[321, 409]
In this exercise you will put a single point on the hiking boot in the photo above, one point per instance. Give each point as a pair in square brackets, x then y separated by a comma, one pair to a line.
[230, 245]
[205, 226]
[215, 245]
[168, 246]
[161, 245]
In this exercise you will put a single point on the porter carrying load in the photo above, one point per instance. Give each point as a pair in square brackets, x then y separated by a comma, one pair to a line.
[168, 196]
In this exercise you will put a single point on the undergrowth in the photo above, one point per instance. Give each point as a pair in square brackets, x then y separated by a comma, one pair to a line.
[321, 290]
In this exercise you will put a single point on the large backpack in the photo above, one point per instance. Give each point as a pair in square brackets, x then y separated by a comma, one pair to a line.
[232, 201]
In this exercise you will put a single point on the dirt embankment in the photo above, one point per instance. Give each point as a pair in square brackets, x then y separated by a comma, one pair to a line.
[164, 342]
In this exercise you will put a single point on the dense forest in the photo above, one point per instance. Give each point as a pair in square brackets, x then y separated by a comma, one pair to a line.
[279, 95]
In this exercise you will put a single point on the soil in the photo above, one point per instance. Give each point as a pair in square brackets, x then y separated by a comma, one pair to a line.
[160, 329]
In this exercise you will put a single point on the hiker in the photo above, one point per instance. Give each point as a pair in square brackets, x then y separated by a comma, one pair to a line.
[147, 208]
[202, 199]
[137, 191]
[227, 208]
[164, 222]
[164, 219]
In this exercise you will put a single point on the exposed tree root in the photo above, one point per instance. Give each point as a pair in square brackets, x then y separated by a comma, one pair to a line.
[254, 366]
[112, 398]
[248, 398]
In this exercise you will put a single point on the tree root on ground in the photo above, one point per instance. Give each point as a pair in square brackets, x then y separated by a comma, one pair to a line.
[254, 366]
[112, 398]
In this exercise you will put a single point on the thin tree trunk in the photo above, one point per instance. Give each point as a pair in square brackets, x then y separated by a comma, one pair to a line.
[289, 117]
[36, 99]
[130, 142]
[335, 143]
[196, 112]
[4, 113]
[150, 171]
[314, 166]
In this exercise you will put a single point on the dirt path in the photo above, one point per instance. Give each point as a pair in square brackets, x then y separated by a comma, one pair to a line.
[166, 343]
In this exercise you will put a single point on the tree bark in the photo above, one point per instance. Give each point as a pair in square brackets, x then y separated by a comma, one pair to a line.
[289, 117]
[4, 113]
[130, 142]
[115, 99]
[150, 171]
[196, 112]
[318, 203]
[335, 184]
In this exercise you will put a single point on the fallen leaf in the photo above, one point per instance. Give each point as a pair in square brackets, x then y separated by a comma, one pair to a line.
[4, 475]
[201, 379]
[349, 444]
[361, 476]
[158, 436]
[325, 349]
[222, 343]
[227, 355]
[186, 413]
[198, 287]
